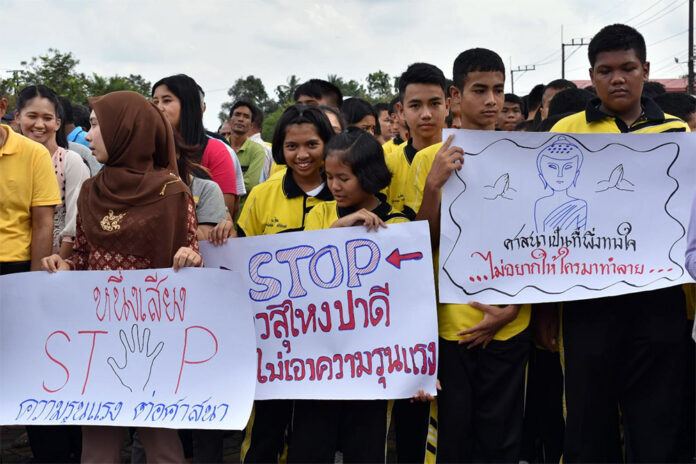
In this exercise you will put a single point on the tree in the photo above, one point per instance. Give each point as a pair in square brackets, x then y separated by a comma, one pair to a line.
[351, 88]
[286, 93]
[379, 86]
[57, 71]
[99, 85]
[251, 89]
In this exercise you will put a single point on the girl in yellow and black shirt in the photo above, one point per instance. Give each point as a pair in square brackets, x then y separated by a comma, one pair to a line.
[281, 204]
[355, 173]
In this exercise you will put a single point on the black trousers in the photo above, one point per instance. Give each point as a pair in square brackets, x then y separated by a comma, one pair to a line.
[624, 360]
[264, 439]
[411, 422]
[356, 427]
[481, 405]
[544, 424]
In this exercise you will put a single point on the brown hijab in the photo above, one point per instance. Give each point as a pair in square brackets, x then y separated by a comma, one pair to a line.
[136, 205]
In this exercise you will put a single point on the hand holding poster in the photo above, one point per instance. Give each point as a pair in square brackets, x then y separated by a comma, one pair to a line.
[339, 313]
[149, 348]
[536, 217]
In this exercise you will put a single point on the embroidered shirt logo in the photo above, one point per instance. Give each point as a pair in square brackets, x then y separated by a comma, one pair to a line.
[110, 222]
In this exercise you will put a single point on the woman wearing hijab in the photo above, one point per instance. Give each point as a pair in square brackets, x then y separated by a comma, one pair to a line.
[134, 214]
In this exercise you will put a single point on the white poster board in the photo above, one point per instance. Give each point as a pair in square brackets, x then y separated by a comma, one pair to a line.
[339, 313]
[540, 217]
[149, 348]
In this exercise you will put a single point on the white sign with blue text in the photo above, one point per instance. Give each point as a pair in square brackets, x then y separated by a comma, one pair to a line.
[340, 313]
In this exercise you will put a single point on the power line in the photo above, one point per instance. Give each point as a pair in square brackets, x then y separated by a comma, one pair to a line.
[653, 18]
[639, 14]
[670, 37]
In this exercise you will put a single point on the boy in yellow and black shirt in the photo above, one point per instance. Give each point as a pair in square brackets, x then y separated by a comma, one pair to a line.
[483, 349]
[624, 354]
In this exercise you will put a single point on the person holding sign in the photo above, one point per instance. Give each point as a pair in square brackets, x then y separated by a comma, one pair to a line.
[136, 195]
[355, 174]
[281, 204]
[623, 354]
[483, 348]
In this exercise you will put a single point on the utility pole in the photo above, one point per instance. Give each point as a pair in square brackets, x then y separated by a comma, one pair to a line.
[573, 43]
[519, 69]
[690, 85]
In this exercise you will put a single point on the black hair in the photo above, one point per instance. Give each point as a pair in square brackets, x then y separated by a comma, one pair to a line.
[512, 98]
[569, 101]
[524, 126]
[311, 88]
[652, 89]
[81, 116]
[68, 117]
[534, 97]
[189, 94]
[363, 153]
[354, 109]
[257, 117]
[318, 88]
[335, 112]
[188, 162]
[381, 106]
[33, 91]
[392, 104]
[330, 91]
[679, 104]
[548, 123]
[616, 37]
[299, 114]
[238, 103]
[591, 89]
[422, 73]
[473, 60]
[560, 84]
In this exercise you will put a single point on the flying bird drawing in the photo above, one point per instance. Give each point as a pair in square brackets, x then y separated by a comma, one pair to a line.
[616, 181]
[500, 188]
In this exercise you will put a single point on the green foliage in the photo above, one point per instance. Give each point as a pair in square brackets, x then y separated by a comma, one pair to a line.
[271, 120]
[57, 71]
[379, 87]
[250, 89]
[286, 93]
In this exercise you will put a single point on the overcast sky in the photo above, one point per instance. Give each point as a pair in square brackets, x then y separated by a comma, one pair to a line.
[216, 42]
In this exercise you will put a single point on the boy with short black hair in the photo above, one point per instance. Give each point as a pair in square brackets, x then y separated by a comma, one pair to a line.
[681, 105]
[483, 349]
[550, 90]
[511, 113]
[318, 92]
[623, 354]
[423, 106]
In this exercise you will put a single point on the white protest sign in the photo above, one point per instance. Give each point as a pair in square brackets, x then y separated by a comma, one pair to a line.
[537, 217]
[149, 348]
[340, 313]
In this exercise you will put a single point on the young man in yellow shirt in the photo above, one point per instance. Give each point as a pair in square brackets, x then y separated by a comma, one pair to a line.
[624, 354]
[483, 349]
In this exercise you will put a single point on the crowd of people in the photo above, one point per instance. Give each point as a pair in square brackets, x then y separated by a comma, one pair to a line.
[602, 380]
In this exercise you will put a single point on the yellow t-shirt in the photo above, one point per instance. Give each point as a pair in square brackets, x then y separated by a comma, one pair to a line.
[278, 205]
[453, 318]
[399, 166]
[276, 168]
[389, 146]
[325, 214]
[27, 179]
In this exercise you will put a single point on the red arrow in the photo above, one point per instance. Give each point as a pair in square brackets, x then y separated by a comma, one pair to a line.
[395, 257]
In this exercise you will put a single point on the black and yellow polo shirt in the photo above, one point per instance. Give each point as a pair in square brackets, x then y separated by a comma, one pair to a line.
[278, 205]
[325, 214]
[595, 121]
[399, 163]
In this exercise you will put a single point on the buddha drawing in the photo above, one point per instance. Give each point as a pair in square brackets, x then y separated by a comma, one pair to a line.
[559, 167]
